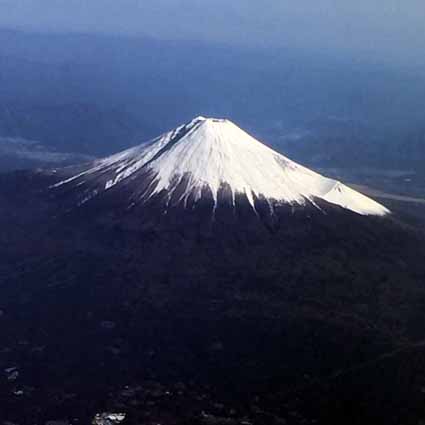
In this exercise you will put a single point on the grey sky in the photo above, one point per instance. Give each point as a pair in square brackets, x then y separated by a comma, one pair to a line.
[386, 27]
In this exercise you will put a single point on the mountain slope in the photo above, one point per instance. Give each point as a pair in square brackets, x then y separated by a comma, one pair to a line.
[122, 275]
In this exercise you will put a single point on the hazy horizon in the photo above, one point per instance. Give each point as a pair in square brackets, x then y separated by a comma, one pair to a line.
[391, 32]
[307, 79]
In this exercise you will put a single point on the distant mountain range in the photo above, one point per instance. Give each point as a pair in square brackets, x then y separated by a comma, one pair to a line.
[96, 95]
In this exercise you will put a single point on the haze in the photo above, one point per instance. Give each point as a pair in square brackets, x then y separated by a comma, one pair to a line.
[385, 30]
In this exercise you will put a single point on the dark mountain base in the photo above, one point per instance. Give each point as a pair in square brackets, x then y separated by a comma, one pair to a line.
[300, 317]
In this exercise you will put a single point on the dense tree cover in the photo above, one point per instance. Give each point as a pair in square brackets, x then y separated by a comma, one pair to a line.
[293, 314]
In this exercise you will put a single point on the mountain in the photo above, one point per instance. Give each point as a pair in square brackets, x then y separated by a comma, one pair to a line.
[204, 278]
[212, 159]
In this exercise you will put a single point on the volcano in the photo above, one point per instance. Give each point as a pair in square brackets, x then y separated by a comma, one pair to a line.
[216, 160]
[204, 278]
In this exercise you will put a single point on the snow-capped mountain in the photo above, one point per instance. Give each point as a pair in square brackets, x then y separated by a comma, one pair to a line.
[205, 251]
[212, 158]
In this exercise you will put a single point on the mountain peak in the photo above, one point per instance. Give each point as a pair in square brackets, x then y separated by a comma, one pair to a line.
[201, 118]
[216, 156]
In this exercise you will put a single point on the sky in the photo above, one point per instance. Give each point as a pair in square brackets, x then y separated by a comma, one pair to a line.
[393, 28]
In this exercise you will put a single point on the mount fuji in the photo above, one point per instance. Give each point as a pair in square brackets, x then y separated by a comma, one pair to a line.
[205, 262]
[210, 159]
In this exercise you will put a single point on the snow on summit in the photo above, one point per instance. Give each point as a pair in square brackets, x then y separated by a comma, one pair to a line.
[215, 153]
